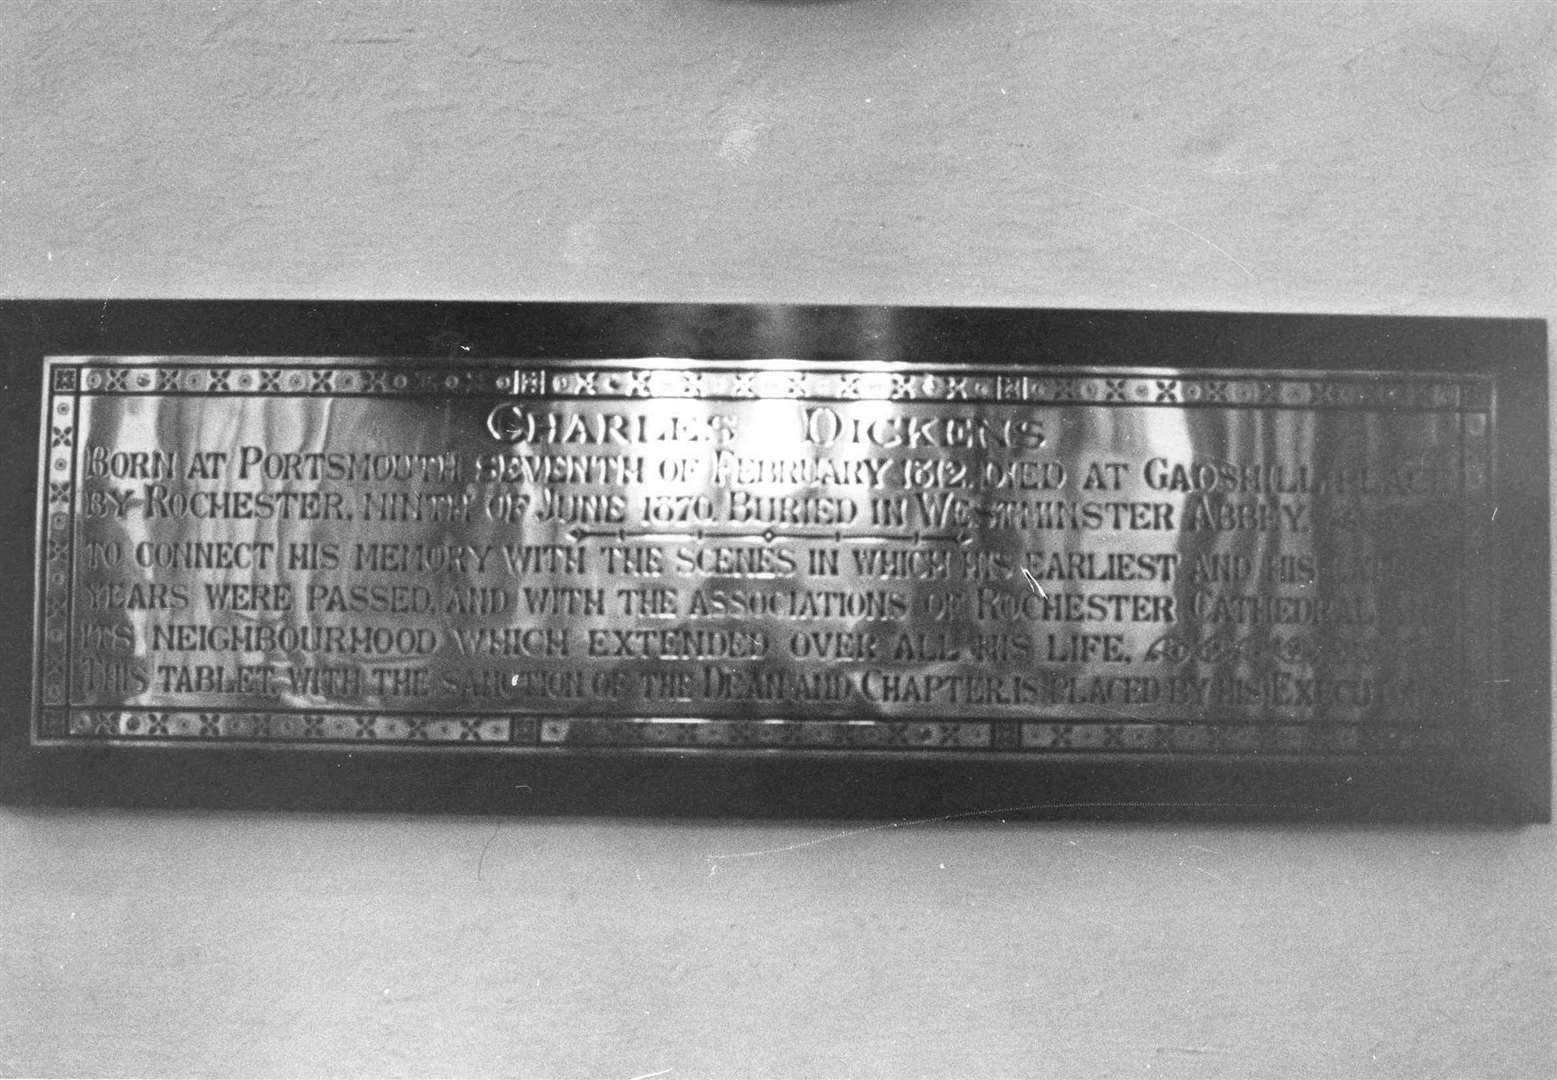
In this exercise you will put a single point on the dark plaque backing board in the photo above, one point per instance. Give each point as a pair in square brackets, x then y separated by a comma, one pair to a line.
[775, 561]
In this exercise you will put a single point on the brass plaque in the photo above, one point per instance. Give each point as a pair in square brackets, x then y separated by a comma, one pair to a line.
[779, 558]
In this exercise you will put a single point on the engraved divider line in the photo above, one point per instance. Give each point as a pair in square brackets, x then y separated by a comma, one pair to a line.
[637, 716]
[581, 532]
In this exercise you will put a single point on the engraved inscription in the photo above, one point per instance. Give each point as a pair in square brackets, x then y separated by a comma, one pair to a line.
[764, 557]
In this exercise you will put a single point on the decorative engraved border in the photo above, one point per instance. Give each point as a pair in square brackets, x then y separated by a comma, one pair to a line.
[570, 732]
[72, 378]
[1070, 736]
[756, 380]
[56, 531]
[325, 725]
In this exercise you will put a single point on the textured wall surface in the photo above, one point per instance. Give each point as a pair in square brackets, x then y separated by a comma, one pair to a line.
[1265, 156]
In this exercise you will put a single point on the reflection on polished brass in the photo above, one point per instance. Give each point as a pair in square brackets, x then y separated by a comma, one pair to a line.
[763, 556]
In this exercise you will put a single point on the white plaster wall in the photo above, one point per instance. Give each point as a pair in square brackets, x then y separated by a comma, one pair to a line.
[1261, 156]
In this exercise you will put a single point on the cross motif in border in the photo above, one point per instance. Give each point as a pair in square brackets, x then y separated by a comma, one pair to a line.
[743, 732]
[792, 734]
[899, 734]
[956, 388]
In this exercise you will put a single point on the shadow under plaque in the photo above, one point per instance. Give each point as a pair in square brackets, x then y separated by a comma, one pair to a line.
[764, 561]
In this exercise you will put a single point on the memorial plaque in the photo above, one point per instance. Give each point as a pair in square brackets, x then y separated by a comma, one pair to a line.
[1113, 584]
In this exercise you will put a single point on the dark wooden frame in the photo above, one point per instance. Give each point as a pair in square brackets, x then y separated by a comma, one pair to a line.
[1512, 786]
